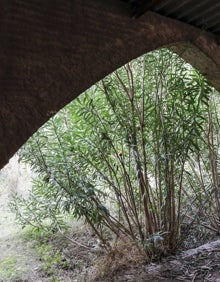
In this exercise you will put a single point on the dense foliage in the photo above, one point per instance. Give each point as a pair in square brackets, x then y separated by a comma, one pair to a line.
[136, 156]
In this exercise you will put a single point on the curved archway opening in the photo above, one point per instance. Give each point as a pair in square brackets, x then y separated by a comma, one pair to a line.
[135, 155]
[57, 52]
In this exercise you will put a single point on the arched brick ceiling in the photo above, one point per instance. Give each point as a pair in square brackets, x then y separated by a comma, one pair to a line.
[51, 51]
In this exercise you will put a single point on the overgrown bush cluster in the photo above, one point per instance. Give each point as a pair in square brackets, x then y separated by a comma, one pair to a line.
[136, 156]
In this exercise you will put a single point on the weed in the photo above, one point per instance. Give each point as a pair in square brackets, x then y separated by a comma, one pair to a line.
[50, 257]
[8, 269]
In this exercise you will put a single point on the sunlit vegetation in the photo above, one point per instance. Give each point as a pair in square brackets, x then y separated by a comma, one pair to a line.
[136, 156]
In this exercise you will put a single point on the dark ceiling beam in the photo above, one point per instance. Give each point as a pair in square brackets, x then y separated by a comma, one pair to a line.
[140, 7]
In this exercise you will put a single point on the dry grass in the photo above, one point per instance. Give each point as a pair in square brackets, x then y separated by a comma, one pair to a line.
[123, 255]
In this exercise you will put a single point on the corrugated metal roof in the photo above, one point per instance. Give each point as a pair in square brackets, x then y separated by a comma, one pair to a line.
[204, 14]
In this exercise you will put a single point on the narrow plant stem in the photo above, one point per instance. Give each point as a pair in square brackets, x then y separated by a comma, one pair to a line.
[213, 162]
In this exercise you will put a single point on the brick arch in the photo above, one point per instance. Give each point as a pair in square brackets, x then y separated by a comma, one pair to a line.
[51, 51]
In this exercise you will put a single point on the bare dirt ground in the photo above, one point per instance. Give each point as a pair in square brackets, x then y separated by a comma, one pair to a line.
[18, 259]
[199, 264]
[83, 260]
[92, 265]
